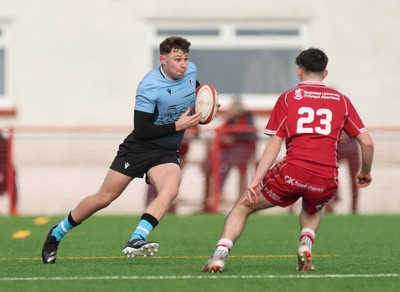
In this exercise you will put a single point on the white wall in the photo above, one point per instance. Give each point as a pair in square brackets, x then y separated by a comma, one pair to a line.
[75, 62]
[78, 62]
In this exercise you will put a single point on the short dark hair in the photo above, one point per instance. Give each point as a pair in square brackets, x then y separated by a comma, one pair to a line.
[174, 42]
[312, 60]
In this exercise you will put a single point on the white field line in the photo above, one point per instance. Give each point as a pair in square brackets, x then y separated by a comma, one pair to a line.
[191, 277]
[169, 257]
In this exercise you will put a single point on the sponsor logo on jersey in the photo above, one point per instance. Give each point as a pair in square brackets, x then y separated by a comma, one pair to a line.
[298, 94]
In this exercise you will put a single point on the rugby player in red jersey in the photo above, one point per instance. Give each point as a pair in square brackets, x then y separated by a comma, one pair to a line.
[310, 119]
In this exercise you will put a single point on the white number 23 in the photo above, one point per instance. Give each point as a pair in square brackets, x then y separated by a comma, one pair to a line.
[308, 117]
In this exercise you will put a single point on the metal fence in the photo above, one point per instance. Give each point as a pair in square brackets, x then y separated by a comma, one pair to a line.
[56, 167]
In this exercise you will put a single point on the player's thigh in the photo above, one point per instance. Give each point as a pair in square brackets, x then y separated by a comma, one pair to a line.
[113, 185]
[262, 202]
[165, 177]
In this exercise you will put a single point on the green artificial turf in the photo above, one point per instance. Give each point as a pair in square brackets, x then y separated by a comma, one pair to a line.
[351, 253]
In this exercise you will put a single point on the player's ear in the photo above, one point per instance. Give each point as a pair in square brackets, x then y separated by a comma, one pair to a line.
[299, 72]
[163, 60]
[324, 74]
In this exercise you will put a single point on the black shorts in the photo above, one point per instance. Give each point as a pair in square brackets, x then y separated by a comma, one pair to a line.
[135, 157]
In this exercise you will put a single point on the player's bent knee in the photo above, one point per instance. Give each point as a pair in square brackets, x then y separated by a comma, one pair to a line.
[170, 197]
[245, 207]
[102, 202]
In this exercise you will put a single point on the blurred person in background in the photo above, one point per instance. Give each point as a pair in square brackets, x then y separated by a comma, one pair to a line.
[349, 153]
[310, 119]
[237, 137]
[5, 171]
[3, 164]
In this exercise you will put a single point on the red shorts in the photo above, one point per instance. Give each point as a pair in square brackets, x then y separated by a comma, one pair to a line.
[285, 183]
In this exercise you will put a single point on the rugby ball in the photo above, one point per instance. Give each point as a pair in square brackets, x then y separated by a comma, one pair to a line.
[206, 103]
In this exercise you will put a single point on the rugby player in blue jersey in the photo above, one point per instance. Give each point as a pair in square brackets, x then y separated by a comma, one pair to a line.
[162, 113]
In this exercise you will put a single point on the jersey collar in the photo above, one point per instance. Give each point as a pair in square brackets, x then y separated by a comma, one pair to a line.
[164, 75]
[312, 83]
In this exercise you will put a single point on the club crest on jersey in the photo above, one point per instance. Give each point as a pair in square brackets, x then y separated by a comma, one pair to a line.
[191, 81]
[298, 94]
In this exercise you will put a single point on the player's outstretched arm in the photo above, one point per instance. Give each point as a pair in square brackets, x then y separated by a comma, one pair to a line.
[367, 154]
[268, 157]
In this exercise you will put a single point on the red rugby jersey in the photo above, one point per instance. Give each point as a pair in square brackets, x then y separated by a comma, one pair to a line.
[311, 117]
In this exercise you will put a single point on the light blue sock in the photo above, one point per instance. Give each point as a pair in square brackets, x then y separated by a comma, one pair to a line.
[142, 230]
[62, 228]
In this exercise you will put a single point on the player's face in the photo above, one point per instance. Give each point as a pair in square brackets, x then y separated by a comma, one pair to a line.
[175, 64]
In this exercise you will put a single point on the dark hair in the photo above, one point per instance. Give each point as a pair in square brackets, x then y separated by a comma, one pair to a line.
[174, 42]
[313, 60]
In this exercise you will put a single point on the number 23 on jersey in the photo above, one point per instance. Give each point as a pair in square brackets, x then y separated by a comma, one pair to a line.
[309, 115]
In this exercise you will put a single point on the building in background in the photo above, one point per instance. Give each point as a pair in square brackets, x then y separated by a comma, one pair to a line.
[69, 70]
[64, 62]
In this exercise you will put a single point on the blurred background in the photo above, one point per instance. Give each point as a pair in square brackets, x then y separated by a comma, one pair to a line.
[69, 71]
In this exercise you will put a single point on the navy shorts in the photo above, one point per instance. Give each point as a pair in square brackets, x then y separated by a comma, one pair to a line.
[136, 157]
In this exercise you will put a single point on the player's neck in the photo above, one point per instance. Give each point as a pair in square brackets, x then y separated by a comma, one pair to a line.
[302, 79]
[312, 76]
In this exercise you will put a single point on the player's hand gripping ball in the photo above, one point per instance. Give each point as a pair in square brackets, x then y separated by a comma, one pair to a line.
[206, 103]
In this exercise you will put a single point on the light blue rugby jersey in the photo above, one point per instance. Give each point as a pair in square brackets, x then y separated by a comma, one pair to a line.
[170, 97]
